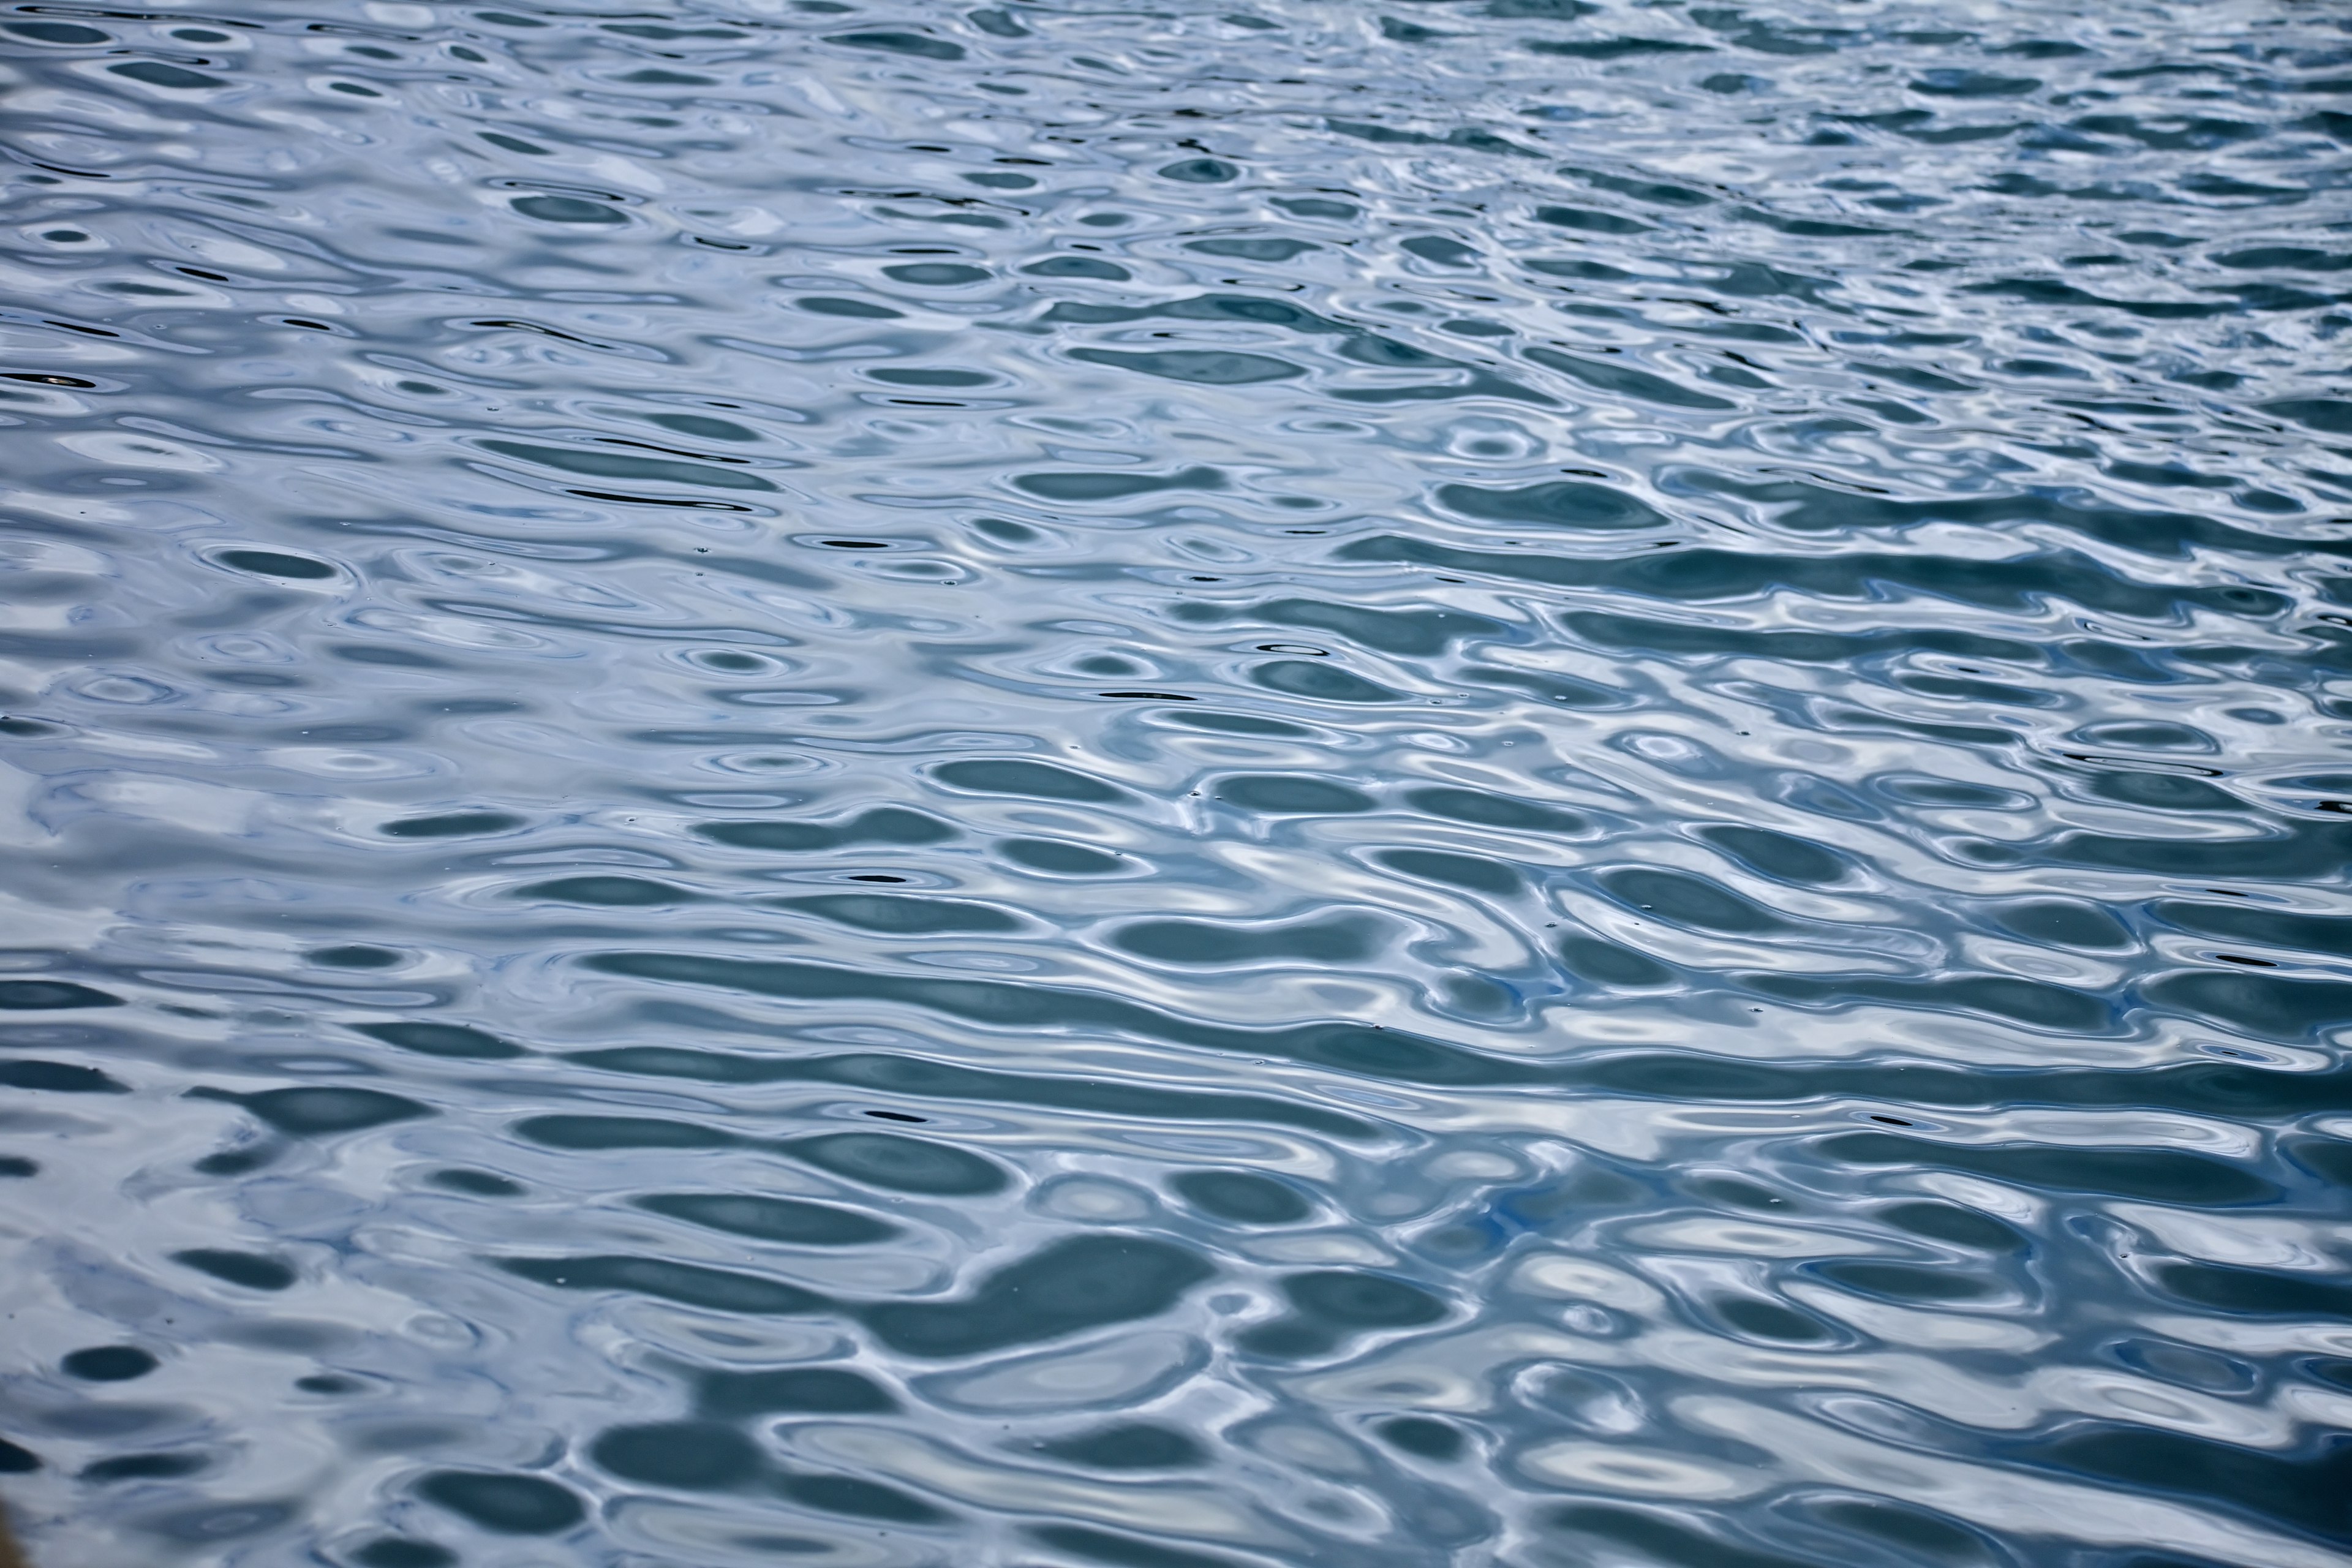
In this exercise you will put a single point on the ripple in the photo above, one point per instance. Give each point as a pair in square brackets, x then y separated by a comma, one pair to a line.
[1533, 779]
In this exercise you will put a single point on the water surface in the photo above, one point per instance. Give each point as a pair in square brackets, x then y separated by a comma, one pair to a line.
[1503, 784]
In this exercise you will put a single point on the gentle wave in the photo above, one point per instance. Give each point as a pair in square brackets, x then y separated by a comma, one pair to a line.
[1497, 783]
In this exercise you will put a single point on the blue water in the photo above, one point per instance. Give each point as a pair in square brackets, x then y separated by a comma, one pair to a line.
[1499, 782]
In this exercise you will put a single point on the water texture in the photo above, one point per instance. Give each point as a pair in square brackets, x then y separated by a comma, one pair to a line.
[1485, 783]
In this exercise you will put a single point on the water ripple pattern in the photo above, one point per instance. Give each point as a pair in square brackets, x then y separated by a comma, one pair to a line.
[1243, 783]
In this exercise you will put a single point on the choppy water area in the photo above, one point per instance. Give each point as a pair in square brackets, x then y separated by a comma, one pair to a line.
[1177, 787]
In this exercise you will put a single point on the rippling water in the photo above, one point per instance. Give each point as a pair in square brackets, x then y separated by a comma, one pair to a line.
[1499, 783]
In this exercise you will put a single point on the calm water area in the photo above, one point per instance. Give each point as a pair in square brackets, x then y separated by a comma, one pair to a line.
[1176, 783]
